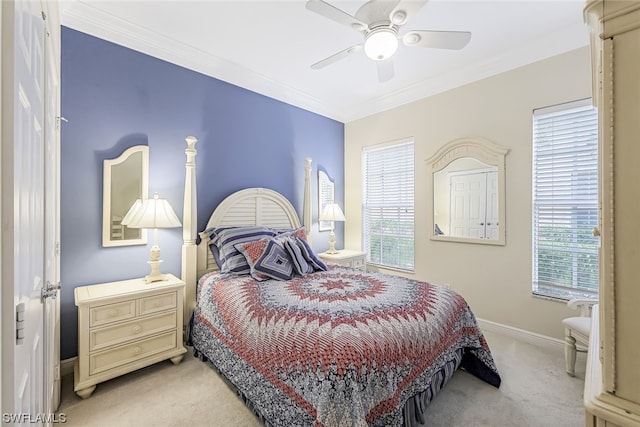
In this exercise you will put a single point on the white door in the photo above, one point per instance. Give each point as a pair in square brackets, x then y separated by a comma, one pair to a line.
[28, 155]
[23, 212]
[468, 195]
[52, 214]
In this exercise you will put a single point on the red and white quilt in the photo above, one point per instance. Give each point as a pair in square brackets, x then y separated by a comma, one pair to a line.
[342, 347]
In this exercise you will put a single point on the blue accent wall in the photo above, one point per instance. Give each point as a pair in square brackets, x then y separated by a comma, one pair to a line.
[114, 98]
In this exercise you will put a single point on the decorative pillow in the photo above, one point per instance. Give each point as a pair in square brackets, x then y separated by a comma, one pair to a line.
[252, 252]
[230, 260]
[309, 255]
[294, 232]
[275, 261]
[300, 263]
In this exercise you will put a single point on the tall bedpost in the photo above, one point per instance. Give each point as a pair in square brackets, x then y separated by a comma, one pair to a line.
[306, 204]
[189, 228]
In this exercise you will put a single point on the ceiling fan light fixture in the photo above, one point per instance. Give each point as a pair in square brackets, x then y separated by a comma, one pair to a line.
[381, 44]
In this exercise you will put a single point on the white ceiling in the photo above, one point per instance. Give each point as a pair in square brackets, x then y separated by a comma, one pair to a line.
[268, 46]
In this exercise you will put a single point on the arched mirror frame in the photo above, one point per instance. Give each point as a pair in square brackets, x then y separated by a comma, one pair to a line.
[480, 149]
[108, 239]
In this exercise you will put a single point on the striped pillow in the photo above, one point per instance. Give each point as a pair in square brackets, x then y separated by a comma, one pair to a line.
[309, 255]
[300, 263]
[230, 260]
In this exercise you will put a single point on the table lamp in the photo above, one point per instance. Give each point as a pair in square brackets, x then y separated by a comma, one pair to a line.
[332, 212]
[152, 213]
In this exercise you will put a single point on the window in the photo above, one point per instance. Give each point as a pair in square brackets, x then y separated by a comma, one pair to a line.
[565, 200]
[387, 197]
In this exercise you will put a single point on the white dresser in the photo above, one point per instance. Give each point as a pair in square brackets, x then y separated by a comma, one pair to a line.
[347, 257]
[124, 326]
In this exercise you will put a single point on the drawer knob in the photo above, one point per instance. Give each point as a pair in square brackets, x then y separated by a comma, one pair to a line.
[137, 329]
[137, 351]
[113, 312]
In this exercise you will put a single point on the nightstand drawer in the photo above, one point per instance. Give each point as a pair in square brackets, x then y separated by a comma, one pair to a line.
[357, 263]
[139, 328]
[118, 356]
[109, 313]
[157, 303]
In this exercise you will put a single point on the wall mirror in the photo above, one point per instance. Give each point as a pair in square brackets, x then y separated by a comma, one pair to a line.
[467, 190]
[125, 179]
[325, 197]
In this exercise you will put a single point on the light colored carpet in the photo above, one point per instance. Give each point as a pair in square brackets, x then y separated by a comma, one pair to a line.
[535, 392]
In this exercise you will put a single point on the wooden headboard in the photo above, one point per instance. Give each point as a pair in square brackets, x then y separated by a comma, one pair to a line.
[251, 206]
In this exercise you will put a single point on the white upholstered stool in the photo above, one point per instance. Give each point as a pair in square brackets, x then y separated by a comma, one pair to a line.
[576, 332]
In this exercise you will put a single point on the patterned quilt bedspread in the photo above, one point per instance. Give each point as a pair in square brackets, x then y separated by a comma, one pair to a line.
[342, 347]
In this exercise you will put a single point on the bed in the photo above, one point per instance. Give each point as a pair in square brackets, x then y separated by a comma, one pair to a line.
[315, 344]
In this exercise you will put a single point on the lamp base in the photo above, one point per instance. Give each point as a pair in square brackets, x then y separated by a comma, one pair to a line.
[332, 243]
[155, 275]
[150, 279]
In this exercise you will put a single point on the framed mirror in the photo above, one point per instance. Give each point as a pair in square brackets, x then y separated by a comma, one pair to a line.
[325, 196]
[467, 191]
[125, 179]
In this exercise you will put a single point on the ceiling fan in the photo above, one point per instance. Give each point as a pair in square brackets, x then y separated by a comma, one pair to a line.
[380, 21]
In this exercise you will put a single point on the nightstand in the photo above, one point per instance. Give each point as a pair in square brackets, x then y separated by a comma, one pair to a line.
[347, 257]
[124, 326]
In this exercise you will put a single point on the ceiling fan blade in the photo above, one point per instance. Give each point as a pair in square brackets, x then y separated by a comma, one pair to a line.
[437, 39]
[331, 12]
[336, 57]
[385, 70]
[404, 10]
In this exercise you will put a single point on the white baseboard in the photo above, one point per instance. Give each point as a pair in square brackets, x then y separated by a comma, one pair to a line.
[522, 335]
[66, 366]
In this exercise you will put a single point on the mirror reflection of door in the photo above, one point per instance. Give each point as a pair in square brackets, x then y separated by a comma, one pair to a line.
[492, 214]
[474, 204]
[466, 201]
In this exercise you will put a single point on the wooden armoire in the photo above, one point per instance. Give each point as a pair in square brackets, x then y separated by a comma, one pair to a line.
[612, 383]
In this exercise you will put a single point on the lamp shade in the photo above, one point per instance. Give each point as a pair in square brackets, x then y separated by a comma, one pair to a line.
[332, 212]
[131, 212]
[151, 213]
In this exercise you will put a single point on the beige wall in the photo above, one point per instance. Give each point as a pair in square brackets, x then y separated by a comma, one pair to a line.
[495, 280]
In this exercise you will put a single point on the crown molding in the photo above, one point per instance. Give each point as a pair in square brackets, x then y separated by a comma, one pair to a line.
[82, 16]
[87, 19]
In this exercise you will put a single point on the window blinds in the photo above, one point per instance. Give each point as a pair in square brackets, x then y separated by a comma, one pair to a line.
[388, 204]
[565, 201]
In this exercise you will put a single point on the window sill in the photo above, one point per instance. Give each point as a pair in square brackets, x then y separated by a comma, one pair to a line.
[566, 296]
